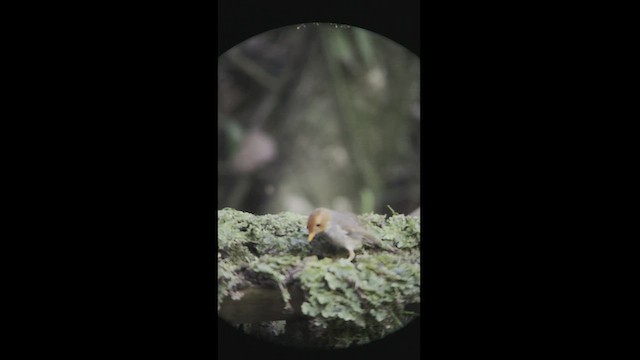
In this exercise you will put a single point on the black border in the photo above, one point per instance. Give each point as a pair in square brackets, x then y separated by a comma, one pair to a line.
[504, 99]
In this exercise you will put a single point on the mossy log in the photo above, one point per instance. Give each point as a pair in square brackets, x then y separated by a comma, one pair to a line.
[268, 271]
[260, 304]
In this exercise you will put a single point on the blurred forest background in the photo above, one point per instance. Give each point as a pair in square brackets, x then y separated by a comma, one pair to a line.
[319, 115]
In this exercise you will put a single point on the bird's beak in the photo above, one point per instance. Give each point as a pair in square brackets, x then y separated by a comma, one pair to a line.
[311, 236]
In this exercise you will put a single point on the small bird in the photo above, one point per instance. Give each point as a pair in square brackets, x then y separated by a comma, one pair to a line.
[343, 230]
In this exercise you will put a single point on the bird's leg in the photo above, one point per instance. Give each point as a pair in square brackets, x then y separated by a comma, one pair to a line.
[351, 254]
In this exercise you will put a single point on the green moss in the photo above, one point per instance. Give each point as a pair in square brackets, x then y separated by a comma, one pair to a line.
[229, 282]
[243, 236]
[233, 239]
[273, 271]
[361, 302]
[282, 233]
[249, 245]
[403, 230]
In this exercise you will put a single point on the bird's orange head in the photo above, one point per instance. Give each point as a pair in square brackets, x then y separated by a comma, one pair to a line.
[318, 221]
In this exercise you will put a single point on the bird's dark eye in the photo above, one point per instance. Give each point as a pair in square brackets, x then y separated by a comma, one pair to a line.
[317, 224]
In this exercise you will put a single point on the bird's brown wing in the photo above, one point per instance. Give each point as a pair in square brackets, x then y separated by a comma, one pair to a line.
[369, 239]
[354, 230]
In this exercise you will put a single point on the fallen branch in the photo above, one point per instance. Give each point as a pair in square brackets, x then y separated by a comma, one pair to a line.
[268, 271]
